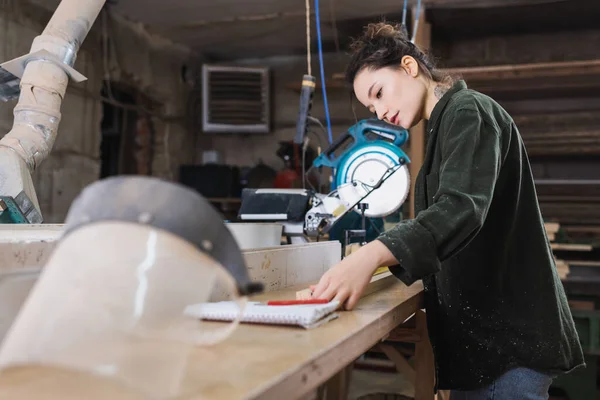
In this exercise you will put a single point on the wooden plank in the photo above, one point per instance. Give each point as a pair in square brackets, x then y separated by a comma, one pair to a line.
[378, 282]
[582, 229]
[424, 367]
[532, 70]
[338, 386]
[30, 246]
[551, 227]
[27, 246]
[571, 246]
[266, 362]
[424, 361]
[401, 364]
[583, 263]
[582, 305]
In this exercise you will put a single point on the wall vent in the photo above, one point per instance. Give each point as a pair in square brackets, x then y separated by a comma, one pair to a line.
[235, 99]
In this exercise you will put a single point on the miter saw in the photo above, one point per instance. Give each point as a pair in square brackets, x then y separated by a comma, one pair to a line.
[369, 176]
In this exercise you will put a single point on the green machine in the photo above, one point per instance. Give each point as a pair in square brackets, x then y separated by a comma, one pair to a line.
[44, 72]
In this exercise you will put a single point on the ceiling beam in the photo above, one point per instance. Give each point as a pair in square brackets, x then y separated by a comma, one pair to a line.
[484, 3]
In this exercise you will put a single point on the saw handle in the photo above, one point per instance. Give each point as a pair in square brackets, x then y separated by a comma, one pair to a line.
[395, 134]
[326, 159]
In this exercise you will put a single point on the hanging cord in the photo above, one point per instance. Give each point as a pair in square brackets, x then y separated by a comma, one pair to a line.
[417, 16]
[309, 69]
[318, 23]
[336, 38]
[404, 12]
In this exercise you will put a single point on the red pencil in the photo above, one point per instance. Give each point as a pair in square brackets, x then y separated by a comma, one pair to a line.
[296, 302]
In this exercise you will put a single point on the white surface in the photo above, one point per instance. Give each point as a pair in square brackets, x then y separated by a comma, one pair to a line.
[256, 235]
[306, 316]
[368, 166]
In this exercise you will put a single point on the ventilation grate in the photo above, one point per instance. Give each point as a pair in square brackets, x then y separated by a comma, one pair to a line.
[236, 99]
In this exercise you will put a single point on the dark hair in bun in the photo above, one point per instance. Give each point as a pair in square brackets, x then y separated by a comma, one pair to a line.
[383, 45]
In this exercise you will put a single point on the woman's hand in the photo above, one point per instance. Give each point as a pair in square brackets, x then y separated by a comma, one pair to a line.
[346, 281]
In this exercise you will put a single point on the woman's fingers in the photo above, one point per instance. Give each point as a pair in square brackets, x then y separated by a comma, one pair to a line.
[329, 293]
[317, 291]
[352, 300]
[341, 296]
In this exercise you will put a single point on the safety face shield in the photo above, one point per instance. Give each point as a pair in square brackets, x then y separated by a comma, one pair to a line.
[108, 309]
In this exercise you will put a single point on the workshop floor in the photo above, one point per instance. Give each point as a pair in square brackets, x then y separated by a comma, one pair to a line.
[365, 385]
[371, 382]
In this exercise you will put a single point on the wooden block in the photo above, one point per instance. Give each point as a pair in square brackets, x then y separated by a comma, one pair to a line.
[571, 247]
[304, 294]
[351, 248]
[582, 305]
[377, 283]
[551, 227]
[562, 268]
[287, 266]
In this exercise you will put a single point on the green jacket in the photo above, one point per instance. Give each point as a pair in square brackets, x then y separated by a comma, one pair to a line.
[492, 294]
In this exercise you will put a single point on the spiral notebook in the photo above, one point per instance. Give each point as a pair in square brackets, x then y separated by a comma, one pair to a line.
[306, 315]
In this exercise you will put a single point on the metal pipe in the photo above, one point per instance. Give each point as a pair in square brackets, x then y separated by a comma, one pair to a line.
[43, 85]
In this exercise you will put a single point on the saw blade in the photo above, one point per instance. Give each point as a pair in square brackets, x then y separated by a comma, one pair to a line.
[392, 193]
[390, 196]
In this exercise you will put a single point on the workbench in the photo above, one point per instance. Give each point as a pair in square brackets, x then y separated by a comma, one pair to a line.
[270, 362]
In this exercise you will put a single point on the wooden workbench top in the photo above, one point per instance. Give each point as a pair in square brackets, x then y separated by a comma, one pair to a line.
[265, 362]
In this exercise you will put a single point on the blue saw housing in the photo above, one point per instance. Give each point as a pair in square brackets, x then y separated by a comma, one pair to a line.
[385, 139]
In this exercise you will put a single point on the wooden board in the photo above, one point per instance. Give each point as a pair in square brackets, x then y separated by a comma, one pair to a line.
[571, 247]
[27, 246]
[378, 282]
[265, 362]
[30, 246]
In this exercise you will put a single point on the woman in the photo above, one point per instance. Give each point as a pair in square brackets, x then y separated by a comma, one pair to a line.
[497, 314]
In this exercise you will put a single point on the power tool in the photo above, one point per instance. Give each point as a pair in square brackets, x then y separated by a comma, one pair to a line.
[370, 176]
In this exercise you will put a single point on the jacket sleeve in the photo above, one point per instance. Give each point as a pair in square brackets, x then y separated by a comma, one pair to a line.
[470, 164]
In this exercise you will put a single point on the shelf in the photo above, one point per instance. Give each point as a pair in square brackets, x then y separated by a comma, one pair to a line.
[548, 77]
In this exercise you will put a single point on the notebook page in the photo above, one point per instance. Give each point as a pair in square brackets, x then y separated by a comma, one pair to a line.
[305, 315]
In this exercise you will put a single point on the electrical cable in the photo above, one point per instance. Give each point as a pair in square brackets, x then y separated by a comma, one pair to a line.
[404, 12]
[417, 16]
[308, 69]
[319, 41]
[304, 146]
[404, 9]
[373, 226]
[318, 123]
[336, 38]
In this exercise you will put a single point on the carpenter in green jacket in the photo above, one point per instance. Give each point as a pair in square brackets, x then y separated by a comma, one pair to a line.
[494, 300]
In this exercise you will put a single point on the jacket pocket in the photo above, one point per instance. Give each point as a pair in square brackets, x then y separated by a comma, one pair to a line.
[432, 182]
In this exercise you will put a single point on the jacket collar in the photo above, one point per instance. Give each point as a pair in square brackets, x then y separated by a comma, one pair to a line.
[436, 113]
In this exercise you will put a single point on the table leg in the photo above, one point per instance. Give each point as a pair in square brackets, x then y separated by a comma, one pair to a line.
[423, 372]
[337, 387]
[424, 363]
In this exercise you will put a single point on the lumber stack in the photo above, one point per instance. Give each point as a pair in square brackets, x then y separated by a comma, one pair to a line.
[551, 231]
[569, 255]
[575, 204]
[549, 131]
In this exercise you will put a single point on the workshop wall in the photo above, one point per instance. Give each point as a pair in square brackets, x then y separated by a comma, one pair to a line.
[515, 49]
[519, 49]
[144, 63]
[287, 73]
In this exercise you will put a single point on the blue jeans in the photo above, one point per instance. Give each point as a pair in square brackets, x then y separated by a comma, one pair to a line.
[516, 384]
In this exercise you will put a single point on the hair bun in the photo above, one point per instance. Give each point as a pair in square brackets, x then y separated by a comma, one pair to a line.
[378, 33]
[385, 30]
